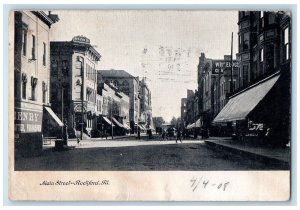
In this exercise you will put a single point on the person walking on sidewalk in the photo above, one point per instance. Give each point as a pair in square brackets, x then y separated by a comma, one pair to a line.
[178, 136]
[77, 136]
[139, 133]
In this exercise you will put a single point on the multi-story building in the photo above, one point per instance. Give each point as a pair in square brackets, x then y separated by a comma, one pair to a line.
[31, 79]
[260, 108]
[264, 44]
[115, 109]
[74, 83]
[129, 85]
[183, 111]
[145, 105]
[214, 84]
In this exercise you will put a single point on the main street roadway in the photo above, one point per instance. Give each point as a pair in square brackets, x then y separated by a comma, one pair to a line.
[140, 155]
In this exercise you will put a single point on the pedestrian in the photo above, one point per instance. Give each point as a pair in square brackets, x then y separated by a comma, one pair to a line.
[77, 135]
[65, 133]
[179, 136]
[139, 133]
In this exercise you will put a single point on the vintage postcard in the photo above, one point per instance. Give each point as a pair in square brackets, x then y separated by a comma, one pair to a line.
[150, 105]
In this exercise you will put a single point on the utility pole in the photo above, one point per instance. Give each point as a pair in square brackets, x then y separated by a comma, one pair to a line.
[231, 79]
[112, 128]
[82, 95]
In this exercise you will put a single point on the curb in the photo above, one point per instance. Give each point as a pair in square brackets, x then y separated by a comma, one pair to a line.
[248, 154]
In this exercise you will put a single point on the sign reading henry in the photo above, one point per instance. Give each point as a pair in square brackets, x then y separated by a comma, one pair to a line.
[28, 121]
[219, 66]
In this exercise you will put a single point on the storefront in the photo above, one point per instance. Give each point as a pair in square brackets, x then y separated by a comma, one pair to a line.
[257, 113]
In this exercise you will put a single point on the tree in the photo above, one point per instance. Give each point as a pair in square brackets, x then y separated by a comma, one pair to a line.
[174, 121]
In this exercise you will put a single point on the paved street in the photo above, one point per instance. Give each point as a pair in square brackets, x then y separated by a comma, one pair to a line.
[133, 154]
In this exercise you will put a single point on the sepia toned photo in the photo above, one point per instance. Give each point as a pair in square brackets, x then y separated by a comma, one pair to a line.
[108, 96]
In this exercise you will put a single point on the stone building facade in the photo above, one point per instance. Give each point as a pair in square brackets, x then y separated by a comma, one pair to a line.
[73, 97]
[31, 79]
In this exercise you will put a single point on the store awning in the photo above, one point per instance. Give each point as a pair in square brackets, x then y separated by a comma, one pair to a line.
[190, 126]
[108, 121]
[117, 123]
[239, 106]
[54, 116]
[126, 126]
[198, 123]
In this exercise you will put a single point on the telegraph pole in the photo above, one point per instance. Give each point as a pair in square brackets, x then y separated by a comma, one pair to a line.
[231, 79]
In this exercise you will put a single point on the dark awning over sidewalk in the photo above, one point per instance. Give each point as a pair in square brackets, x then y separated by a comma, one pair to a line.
[240, 105]
[108, 121]
[116, 122]
[54, 116]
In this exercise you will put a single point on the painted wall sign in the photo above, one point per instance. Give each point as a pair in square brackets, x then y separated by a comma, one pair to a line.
[28, 121]
[219, 66]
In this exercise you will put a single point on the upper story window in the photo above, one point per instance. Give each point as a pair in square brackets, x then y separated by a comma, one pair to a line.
[261, 19]
[44, 53]
[44, 91]
[33, 48]
[286, 43]
[271, 18]
[261, 55]
[24, 39]
[33, 88]
[54, 68]
[246, 41]
[24, 84]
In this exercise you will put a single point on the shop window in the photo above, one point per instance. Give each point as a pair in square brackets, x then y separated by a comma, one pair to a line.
[44, 53]
[33, 48]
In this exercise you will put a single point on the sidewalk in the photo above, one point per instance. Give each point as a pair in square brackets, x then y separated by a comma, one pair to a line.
[280, 155]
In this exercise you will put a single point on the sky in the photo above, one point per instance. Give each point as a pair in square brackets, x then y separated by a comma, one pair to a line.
[163, 46]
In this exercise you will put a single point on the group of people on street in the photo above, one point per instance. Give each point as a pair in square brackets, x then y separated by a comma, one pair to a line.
[167, 134]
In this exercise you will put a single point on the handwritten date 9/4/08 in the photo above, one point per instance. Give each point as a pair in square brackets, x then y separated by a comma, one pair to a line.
[202, 183]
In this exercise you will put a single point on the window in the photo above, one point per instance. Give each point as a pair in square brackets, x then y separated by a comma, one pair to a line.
[261, 19]
[270, 54]
[24, 41]
[271, 18]
[54, 69]
[65, 67]
[33, 88]
[245, 74]
[44, 53]
[33, 48]
[246, 41]
[78, 68]
[44, 90]
[261, 55]
[24, 84]
[286, 43]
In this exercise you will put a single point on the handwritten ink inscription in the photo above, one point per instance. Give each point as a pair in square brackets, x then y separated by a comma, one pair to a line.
[204, 183]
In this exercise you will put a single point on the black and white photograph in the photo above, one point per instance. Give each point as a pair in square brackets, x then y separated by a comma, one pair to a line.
[152, 91]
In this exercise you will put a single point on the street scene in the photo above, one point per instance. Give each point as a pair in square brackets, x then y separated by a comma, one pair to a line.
[152, 90]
